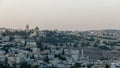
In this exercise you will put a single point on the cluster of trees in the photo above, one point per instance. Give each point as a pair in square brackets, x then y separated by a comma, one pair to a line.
[22, 65]
[112, 43]
[78, 65]
[61, 57]
[54, 38]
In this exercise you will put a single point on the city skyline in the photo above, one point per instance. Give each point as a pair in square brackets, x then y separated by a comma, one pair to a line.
[61, 15]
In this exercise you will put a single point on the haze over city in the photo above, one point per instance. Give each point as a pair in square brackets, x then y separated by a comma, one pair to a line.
[61, 14]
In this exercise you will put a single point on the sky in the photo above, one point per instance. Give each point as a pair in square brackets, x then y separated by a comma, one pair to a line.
[60, 14]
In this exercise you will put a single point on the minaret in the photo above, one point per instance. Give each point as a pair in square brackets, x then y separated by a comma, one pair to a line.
[82, 53]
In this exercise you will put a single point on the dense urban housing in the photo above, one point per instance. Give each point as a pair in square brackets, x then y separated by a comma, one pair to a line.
[34, 48]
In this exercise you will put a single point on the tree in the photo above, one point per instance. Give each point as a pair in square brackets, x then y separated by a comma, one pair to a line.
[46, 59]
[25, 65]
[107, 66]
[63, 52]
[76, 65]
[40, 45]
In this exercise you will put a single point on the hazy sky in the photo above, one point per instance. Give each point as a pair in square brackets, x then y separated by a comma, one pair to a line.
[60, 14]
